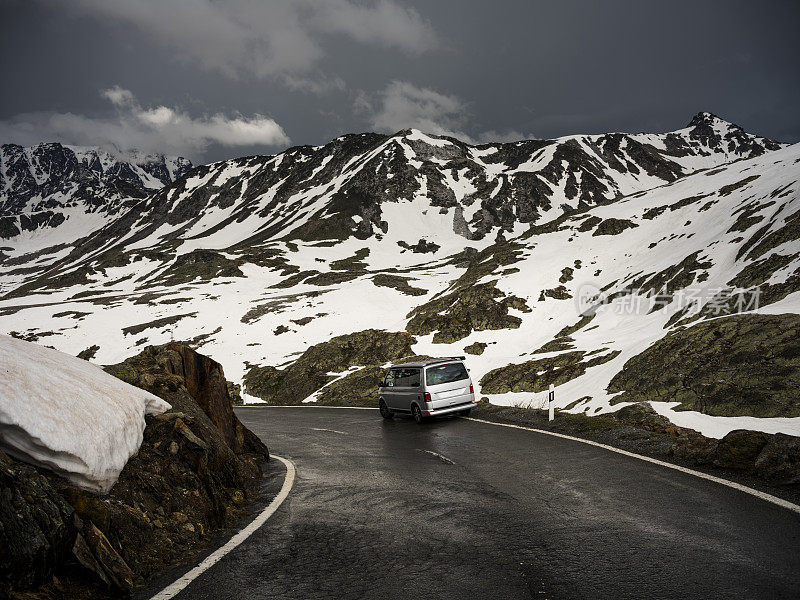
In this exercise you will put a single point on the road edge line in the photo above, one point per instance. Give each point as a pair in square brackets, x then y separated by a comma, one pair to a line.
[726, 482]
[209, 561]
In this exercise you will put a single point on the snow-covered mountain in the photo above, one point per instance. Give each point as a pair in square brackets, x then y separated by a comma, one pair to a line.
[50, 184]
[405, 188]
[539, 257]
[356, 182]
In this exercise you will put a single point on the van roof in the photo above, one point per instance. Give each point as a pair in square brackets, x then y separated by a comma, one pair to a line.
[430, 361]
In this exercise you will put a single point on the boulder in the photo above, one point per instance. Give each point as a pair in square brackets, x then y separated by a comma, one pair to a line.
[192, 381]
[779, 460]
[694, 448]
[642, 415]
[739, 449]
[205, 382]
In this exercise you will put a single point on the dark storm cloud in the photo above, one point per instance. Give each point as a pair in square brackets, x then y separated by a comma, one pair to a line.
[216, 79]
[152, 129]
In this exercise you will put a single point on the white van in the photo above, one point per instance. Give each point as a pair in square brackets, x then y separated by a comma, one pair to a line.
[429, 388]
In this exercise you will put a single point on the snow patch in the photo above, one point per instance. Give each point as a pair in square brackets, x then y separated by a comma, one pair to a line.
[68, 415]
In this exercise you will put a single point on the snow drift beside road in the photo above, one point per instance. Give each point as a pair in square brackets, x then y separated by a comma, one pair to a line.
[68, 415]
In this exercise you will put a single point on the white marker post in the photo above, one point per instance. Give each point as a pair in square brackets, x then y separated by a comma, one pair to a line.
[550, 397]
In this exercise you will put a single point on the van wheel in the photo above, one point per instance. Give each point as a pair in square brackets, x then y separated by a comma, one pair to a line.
[385, 412]
[417, 414]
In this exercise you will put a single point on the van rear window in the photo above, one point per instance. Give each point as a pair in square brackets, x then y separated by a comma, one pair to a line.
[445, 373]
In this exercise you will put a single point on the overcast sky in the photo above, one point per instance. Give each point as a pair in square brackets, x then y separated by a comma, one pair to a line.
[212, 79]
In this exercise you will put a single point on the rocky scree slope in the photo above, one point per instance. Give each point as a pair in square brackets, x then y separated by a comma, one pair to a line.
[194, 475]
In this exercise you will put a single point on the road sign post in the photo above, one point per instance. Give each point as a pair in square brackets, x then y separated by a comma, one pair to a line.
[550, 397]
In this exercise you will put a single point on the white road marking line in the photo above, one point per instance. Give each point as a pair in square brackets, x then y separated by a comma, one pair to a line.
[437, 455]
[330, 430]
[179, 584]
[731, 484]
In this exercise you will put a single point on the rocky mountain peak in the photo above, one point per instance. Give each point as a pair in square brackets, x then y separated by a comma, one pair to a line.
[718, 135]
[708, 118]
[39, 183]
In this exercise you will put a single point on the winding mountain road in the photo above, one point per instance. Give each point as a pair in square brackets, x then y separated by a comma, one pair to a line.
[462, 509]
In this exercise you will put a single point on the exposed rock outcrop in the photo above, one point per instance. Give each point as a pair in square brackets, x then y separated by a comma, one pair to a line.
[192, 477]
[740, 365]
[311, 371]
[36, 525]
[469, 305]
[205, 382]
[538, 375]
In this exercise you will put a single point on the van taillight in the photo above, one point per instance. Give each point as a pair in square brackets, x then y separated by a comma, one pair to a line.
[471, 389]
[427, 396]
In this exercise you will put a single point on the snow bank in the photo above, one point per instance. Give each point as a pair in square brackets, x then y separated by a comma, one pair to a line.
[719, 427]
[68, 415]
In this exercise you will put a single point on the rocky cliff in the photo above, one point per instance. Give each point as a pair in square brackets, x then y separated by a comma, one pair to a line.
[192, 477]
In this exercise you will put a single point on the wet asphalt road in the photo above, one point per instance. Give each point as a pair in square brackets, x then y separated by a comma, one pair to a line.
[501, 513]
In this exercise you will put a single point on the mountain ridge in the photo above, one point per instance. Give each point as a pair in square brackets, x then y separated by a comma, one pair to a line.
[38, 184]
[255, 259]
[488, 190]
